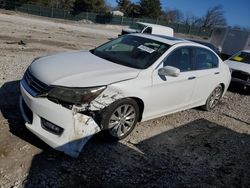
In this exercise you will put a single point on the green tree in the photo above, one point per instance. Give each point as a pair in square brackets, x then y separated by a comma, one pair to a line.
[128, 8]
[123, 5]
[134, 10]
[37, 2]
[65, 4]
[90, 6]
[150, 8]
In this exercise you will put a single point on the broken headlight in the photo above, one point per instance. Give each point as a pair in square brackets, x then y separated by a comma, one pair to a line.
[75, 95]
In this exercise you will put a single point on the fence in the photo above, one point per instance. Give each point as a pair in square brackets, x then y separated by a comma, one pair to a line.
[102, 18]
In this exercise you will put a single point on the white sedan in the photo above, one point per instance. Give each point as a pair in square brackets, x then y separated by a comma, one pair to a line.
[68, 97]
[240, 67]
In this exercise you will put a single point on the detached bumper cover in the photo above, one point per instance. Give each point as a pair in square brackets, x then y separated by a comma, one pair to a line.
[77, 128]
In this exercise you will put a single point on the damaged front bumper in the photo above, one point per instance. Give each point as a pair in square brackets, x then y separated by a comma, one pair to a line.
[241, 77]
[61, 128]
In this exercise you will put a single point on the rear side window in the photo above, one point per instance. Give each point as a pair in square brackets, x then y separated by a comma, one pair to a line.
[205, 59]
[180, 58]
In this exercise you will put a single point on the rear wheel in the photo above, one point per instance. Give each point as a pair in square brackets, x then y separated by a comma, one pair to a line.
[120, 118]
[213, 98]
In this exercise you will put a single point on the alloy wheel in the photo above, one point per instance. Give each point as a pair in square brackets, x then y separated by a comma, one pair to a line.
[215, 97]
[122, 120]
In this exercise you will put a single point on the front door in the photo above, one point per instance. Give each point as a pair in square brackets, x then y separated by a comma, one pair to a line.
[174, 93]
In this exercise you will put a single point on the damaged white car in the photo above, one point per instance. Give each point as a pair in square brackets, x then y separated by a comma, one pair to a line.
[68, 97]
[240, 68]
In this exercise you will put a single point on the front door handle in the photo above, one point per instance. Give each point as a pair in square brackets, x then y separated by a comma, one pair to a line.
[217, 73]
[191, 77]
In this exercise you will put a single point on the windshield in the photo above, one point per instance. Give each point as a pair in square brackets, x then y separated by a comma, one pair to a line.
[243, 57]
[132, 51]
[138, 27]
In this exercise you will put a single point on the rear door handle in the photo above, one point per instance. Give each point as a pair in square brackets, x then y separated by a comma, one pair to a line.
[191, 78]
[217, 73]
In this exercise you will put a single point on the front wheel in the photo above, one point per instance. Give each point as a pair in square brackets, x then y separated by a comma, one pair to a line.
[120, 118]
[213, 98]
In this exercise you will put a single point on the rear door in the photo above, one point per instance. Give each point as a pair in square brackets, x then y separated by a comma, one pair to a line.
[207, 74]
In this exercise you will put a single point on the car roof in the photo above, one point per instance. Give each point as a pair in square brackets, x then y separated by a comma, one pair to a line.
[200, 41]
[167, 39]
[163, 38]
[205, 43]
[170, 40]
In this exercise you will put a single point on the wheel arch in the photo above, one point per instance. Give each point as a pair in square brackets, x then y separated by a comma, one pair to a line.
[140, 105]
[223, 88]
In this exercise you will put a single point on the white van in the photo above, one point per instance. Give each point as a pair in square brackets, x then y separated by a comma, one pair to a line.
[148, 28]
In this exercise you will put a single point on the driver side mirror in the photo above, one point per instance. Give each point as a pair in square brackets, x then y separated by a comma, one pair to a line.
[169, 71]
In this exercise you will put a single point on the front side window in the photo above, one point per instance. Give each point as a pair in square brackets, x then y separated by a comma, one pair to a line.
[180, 58]
[243, 57]
[205, 59]
[132, 51]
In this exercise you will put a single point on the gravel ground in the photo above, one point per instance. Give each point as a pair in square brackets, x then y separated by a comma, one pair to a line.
[192, 148]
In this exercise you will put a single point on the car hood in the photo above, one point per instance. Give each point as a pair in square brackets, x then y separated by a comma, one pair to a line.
[79, 69]
[238, 66]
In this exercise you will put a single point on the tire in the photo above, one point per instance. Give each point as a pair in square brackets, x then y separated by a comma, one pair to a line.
[213, 98]
[119, 119]
[246, 87]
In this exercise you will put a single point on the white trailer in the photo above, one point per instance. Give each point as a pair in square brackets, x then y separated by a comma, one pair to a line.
[230, 41]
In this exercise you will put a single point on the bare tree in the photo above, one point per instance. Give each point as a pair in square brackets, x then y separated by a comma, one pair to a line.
[173, 15]
[214, 17]
[191, 19]
[241, 28]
